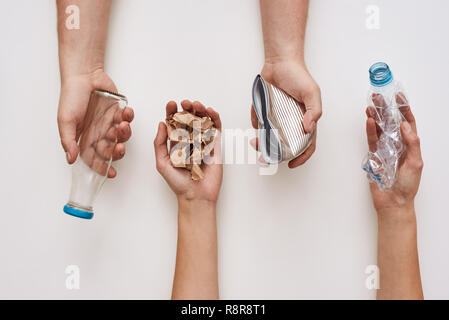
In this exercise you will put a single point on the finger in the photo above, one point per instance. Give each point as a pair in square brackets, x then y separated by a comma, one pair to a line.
[171, 108]
[124, 132]
[303, 157]
[128, 114]
[104, 149]
[99, 165]
[406, 111]
[411, 140]
[187, 105]
[199, 109]
[401, 100]
[254, 120]
[67, 132]
[112, 173]
[119, 152]
[254, 142]
[92, 157]
[380, 106]
[160, 146]
[312, 101]
[215, 117]
[378, 100]
[118, 115]
[372, 113]
[371, 134]
[368, 112]
[112, 134]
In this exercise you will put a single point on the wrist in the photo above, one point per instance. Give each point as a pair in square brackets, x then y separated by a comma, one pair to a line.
[88, 77]
[272, 68]
[295, 58]
[88, 73]
[196, 207]
[280, 51]
[401, 216]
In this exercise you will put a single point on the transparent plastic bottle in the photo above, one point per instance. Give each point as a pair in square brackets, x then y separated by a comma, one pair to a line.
[381, 165]
[96, 145]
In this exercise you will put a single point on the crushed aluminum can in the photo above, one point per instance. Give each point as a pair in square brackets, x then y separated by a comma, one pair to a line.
[282, 136]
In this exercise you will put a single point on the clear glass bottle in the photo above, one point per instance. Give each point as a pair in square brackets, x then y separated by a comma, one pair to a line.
[96, 145]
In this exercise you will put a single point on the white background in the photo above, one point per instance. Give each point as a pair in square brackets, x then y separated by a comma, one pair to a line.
[304, 233]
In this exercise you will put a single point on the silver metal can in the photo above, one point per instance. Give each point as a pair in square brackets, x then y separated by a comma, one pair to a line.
[281, 133]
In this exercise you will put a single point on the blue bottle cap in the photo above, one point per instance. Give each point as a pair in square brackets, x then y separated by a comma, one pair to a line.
[380, 74]
[78, 213]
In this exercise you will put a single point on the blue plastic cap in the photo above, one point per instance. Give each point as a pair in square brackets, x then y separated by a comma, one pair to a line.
[380, 74]
[78, 213]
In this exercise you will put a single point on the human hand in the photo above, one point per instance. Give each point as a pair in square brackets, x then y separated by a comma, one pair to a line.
[400, 198]
[293, 77]
[73, 103]
[179, 179]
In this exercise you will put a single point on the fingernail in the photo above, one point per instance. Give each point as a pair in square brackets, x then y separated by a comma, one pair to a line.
[313, 124]
[67, 155]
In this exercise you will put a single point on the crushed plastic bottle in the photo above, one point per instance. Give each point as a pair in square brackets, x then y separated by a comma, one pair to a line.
[385, 107]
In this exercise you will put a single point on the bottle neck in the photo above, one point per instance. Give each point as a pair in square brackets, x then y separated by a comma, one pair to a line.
[380, 74]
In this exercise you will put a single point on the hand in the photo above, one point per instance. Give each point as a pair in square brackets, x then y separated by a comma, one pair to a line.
[294, 78]
[402, 194]
[179, 179]
[73, 102]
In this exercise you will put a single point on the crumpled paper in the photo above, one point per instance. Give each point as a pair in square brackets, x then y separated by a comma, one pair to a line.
[192, 138]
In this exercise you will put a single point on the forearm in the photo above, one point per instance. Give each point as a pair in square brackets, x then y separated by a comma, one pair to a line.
[196, 273]
[398, 255]
[283, 26]
[81, 51]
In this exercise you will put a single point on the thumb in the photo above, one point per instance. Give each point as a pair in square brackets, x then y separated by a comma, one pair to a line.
[412, 143]
[160, 146]
[313, 113]
[67, 132]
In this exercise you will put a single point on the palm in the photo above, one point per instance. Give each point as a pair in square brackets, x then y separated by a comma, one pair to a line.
[75, 95]
[404, 189]
[179, 179]
[408, 174]
[205, 189]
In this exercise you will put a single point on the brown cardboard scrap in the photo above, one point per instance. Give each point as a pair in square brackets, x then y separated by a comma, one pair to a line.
[192, 138]
[197, 173]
